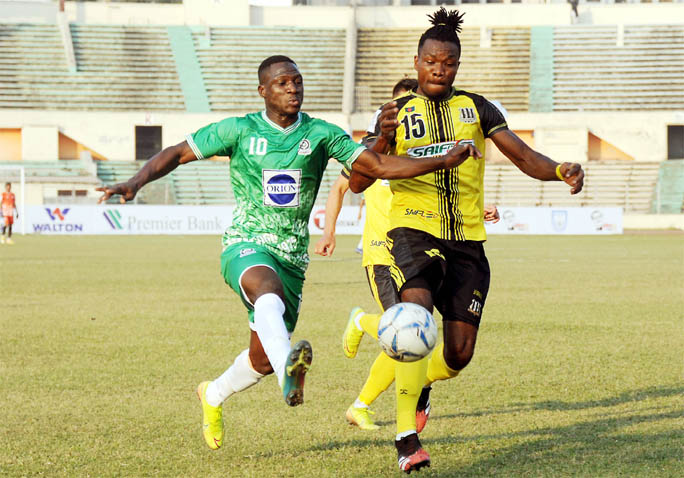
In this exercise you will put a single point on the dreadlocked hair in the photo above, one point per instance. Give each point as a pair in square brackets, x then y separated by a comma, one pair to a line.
[446, 27]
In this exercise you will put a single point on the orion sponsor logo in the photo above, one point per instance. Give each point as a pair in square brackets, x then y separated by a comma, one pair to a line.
[437, 149]
[113, 217]
[57, 217]
[281, 187]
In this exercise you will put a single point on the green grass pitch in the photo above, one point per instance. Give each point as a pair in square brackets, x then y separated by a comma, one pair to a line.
[577, 371]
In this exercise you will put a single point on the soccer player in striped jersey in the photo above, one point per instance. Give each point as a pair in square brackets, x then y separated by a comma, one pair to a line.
[278, 158]
[437, 229]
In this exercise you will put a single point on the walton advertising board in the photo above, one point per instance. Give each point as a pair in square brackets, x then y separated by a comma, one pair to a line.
[132, 219]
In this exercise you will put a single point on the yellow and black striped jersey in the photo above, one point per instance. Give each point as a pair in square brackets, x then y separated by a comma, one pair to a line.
[447, 204]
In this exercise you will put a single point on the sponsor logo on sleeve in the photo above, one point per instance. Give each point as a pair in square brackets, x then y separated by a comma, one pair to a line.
[281, 187]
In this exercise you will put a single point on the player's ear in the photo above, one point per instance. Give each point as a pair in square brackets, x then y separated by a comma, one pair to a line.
[415, 62]
[262, 91]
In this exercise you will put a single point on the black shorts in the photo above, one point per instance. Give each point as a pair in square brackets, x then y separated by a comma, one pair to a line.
[456, 272]
[382, 286]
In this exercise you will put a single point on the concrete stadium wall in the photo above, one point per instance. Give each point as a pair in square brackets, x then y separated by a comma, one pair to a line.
[239, 12]
[111, 135]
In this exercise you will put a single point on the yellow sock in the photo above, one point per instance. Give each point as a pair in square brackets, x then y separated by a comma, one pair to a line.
[369, 324]
[380, 377]
[437, 368]
[410, 377]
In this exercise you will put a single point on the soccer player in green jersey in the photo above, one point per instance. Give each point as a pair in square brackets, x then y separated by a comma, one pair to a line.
[278, 157]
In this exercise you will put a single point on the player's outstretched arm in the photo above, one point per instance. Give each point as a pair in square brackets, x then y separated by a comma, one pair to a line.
[156, 167]
[326, 244]
[380, 166]
[535, 164]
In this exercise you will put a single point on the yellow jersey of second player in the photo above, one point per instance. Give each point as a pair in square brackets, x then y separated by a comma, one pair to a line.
[378, 199]
[447, 204]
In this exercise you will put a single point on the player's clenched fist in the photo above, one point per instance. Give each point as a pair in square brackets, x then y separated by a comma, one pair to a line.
[388, 120]
[573, 175]
[459, 153]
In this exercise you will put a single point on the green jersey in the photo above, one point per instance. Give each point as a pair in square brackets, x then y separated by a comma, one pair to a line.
[275, 173]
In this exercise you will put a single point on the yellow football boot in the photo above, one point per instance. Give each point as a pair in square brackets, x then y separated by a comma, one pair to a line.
[361, 417]
[352, 335]
[212, 419]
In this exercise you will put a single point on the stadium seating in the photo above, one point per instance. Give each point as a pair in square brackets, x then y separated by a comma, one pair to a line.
[625, 184]
[591, 72]
[124, 68]
[32, 61]
[55, 169]
[118, 68]
[499, 72]
[203, 182]
[229, 58]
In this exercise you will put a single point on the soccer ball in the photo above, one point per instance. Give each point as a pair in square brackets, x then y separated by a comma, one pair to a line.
[407, 332]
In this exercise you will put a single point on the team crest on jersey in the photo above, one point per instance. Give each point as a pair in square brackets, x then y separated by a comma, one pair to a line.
[281, 187]
[304, 147]
[467, 115]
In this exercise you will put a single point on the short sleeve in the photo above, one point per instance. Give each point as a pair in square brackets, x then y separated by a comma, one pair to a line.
[341, 147]
[373, 127]
[215, 139]
[491, 118]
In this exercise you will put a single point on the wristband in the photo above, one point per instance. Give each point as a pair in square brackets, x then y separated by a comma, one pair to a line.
[559, 175]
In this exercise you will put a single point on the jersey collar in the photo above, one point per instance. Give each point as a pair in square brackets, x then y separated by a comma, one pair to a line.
[287, 130]
[453, 93]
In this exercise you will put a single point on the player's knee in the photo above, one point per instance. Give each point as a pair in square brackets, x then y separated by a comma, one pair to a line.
[457, 356]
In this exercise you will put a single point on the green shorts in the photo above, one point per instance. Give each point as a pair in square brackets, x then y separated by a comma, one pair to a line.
[237, 258]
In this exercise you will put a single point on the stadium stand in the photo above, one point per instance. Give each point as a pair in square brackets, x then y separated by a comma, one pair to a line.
[593, 71]
[32, 66]
[62, 169]
[629, 185]
[118, 68]
[125, 68]
[501, 71]
[203, 182]
[229, 58]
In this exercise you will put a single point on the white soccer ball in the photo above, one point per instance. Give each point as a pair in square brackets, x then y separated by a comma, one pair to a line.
[407, 332]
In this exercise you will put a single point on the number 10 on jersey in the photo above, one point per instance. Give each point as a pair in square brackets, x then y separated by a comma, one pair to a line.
[258, 146]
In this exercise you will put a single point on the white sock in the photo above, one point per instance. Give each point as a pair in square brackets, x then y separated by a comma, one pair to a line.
[237, 378]
[270, 327]
[359, 404]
